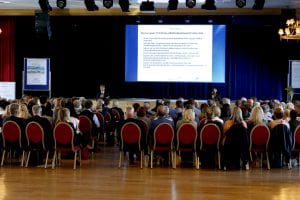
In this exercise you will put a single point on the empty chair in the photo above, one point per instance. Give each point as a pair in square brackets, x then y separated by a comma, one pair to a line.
[296, 145]
[85, 127]
[210, 135]
[36, 140]
[64, 142]
[130, 141]
[186, 141]
[259, 140]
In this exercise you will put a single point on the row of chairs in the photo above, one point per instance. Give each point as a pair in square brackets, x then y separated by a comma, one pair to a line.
[63, 141]
[186, 141]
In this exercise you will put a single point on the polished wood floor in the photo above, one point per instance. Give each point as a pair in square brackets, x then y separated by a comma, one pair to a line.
[102, 179]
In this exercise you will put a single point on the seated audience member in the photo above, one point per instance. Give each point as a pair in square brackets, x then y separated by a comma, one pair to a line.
[172, 111]
[87, 111]
[188, 116]
[147, 107]
[158, 102]
[130, 118]
[256, 117]
[216, 114]
[46, 106]
[59, 103]
[267, 113]
[235, 141]
[14, 116]
[63, 115]
[294, 122]
[141, 115]
[23, 112]
[281, 140]
[105, 108]
[45, 124]
[160, 118]
[78, 107]
[116, 106]
[69, 104]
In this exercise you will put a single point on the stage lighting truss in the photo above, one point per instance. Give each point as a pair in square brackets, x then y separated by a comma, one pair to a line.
[108, 3]
[190, 3]
[61, 4]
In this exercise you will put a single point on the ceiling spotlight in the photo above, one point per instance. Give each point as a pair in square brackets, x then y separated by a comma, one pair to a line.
[124, 4]
[61, 4]
[45, 6]
[108, 3]
[209, 5]
[90, 5]
[190, 3]
[172, 4]
[240, 3]
[258, 4]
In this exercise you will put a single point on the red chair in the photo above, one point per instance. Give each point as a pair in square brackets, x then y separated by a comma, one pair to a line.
[210, 135]
[186, 140]
[296, 145]
[259, 140]
[130, 139]
[85, 127]
[102, 128]
[163, 141]
[11, 134]
[36, 140]
[63, 142]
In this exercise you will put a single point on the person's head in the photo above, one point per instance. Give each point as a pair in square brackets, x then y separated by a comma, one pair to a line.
[115, 103]
[141, 112]
[23, 111]
[215, 90]
[237, 114]
[216, 111]
[102, 87]
[63, 115]
[161, 111]
[278, 113]
[37, 110]
[136, 106]
[129, 112]
[43, 99]
[293, 114]
[88, 104]
[14, 109]
[257, 115]
[188, 115]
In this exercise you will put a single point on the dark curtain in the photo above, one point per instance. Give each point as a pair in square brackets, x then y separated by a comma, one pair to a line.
[7, 49]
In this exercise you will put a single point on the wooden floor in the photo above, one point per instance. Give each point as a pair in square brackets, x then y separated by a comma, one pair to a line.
[102, 179]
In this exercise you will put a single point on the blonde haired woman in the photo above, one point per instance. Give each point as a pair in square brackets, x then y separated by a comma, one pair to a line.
[188, 116]
[23, 111]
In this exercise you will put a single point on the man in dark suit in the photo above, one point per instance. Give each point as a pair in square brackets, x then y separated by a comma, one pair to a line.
[102, 94]
[45, 124]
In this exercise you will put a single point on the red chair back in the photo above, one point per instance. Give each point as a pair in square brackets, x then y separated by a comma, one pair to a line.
[107, 117]
[11, 132]
[34, 133]
[210, 134]
[260, 135]
[130, 134]
[100, 118]
[186, 135]
[296, 137]
[85, 124]
[163, 134]
[63, 134]
[116, 115]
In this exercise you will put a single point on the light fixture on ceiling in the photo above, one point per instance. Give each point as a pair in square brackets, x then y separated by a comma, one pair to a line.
[209, 5]
[0, 31]
[45, 6]
[124, 4]
[108, 3]
[91, 5]
[173, 4]
[190, 3]
[240, 3]
[292, 29]
[61, 4]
